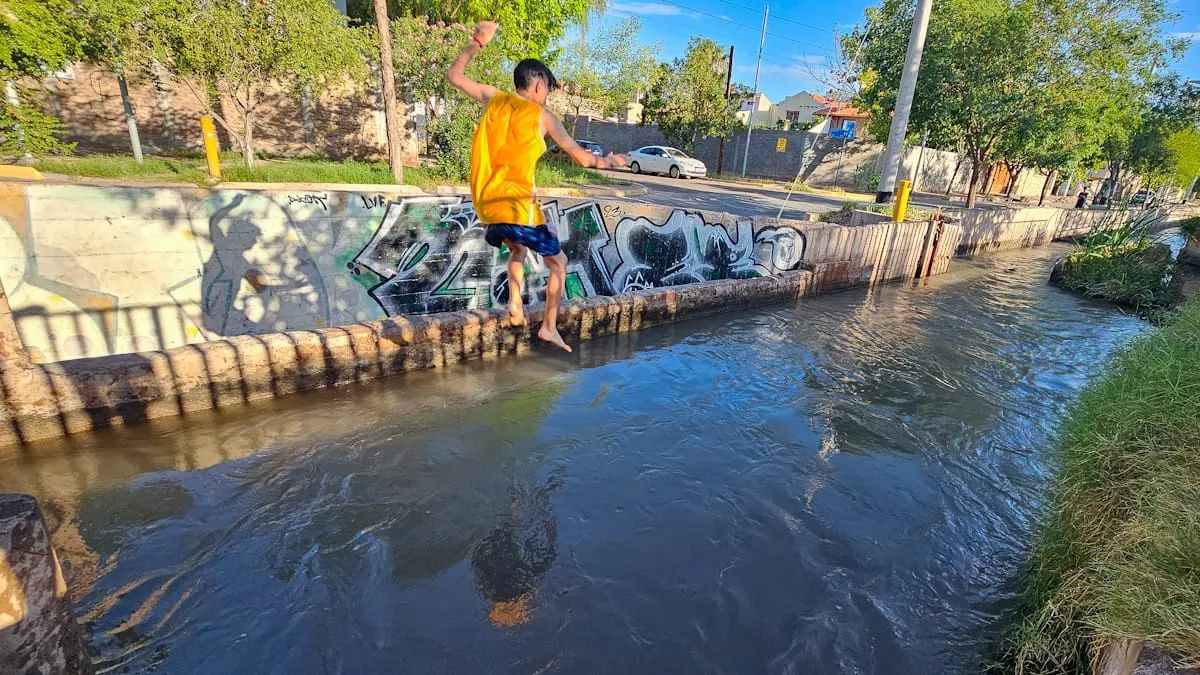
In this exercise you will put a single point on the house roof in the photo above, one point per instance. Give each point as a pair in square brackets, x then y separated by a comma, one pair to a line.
[842, 109]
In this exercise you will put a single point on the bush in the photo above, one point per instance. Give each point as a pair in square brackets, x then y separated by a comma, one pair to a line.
[1122, 265]
[866, 178]
[27, 129]
[1191, 226]
[451, 139]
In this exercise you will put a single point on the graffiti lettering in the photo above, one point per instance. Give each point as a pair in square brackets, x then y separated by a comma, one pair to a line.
[377, 201]
[432, 257]
[309, 199]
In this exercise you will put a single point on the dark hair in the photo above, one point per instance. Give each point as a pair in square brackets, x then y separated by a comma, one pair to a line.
[529, 70]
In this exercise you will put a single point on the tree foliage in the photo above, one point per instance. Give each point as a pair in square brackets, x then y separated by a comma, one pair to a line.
[237, 48]
[526, 28]
[422, 53]
[608, 68]
[687, 99]
[1005, 77]
[34, 41]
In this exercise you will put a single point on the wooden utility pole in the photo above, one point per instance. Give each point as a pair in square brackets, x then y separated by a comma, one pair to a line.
[395, 136]
[728, 93]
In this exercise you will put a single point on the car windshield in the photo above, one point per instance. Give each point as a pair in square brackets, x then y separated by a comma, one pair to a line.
[677, 153]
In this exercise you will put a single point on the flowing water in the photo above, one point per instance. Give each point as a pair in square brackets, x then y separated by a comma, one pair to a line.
[846, 485]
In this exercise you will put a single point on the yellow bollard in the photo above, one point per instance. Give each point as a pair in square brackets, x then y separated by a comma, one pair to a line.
[902, 189]
[211, 150]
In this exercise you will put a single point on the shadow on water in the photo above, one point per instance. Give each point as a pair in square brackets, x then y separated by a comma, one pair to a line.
[849, 484]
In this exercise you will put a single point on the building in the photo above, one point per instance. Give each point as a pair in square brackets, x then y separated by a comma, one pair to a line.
[760, 110]
[800, 108]
[836, 114]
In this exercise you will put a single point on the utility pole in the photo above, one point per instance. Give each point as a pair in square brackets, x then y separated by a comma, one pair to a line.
[728, 92]
[135, 140]
[762, 41]
[1187, 196]
[890, 168]
[395, 136]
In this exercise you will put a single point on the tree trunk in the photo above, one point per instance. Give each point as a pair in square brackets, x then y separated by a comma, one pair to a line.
[1046, 186]
[395, 135]
[135, 140]
[974, 183]
[162, 100]
[954, 174]
[248, 139]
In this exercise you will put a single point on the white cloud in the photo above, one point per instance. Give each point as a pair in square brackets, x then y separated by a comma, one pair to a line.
[645, 8]
[1194, 36]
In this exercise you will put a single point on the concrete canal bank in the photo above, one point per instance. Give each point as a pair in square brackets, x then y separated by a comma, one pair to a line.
[129, 303]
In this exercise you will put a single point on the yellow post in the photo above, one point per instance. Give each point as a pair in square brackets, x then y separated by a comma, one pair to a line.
[211, 150]
[902, 189]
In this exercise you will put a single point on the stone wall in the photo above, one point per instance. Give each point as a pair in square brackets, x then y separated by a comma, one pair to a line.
[108, 270]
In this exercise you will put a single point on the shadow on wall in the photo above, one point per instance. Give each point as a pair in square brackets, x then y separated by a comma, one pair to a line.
[240, 253]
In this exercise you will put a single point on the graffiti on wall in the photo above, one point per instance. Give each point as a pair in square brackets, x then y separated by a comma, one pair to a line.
[431, 255]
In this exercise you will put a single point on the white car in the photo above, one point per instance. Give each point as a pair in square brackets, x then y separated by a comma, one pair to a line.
[671, 161]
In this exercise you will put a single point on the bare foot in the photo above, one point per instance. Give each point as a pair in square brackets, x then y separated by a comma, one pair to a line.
[516, 316]
[552, 336]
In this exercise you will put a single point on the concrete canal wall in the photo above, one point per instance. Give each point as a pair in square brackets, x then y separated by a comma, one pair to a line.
[94, 271]
[133, 303]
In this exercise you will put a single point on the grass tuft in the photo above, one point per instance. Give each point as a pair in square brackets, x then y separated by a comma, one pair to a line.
[1120, 558]
[1123, 265]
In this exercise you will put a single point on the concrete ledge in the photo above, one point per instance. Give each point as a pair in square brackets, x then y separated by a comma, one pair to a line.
[583, 191]
[38, 633]
[44, 401]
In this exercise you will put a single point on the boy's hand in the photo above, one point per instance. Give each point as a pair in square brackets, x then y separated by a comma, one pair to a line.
[484, 32]
[615, 161]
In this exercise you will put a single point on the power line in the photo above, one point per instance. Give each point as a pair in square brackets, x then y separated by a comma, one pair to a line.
[777, 17]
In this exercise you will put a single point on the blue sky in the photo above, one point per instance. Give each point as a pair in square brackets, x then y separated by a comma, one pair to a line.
[799, 34]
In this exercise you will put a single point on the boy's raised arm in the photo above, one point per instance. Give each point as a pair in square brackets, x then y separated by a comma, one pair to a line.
[457, 75]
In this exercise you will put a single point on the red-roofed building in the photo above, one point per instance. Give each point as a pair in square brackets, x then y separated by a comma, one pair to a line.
[837, 113]
[799, 108]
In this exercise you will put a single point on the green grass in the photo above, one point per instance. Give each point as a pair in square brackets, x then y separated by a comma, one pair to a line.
[1120, 558]
[1123, 265]
[192, 170]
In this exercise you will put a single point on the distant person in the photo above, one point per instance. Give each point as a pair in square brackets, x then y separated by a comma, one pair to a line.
[1081, 201]
[508, 143]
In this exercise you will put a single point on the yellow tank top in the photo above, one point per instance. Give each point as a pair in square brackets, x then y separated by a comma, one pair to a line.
[504, 154]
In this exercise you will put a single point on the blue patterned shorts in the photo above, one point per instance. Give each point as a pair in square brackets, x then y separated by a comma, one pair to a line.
[539, 238]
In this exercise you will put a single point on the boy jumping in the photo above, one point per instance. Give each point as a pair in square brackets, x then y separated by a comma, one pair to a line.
[504, 153]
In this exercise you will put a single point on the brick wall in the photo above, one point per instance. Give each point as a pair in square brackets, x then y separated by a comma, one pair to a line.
[345, 122]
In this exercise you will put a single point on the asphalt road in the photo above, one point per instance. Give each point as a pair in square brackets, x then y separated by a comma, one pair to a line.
[746, 199]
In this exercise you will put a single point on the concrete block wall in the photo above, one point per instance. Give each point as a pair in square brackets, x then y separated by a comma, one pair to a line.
[94, 270]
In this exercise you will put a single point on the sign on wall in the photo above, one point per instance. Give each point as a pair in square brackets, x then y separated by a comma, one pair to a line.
[781, 144]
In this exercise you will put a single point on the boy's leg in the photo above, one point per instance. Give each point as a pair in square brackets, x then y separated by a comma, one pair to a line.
[554, 290]
[516, 281]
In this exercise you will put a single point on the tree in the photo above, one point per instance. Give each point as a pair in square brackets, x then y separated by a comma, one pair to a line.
[424, 51]
[687, 99]
[34, 41]
[989, 65]
[1185, 152]
[609, 68]
[237, 48]
[526, 28]
[117, 35]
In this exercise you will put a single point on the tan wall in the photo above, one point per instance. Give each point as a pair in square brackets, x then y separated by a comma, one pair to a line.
[1002, 229]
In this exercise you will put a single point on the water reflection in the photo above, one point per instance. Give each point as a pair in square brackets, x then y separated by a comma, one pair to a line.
[847, 485]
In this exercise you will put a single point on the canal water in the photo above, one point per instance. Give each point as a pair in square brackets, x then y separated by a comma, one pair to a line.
[846, 485]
